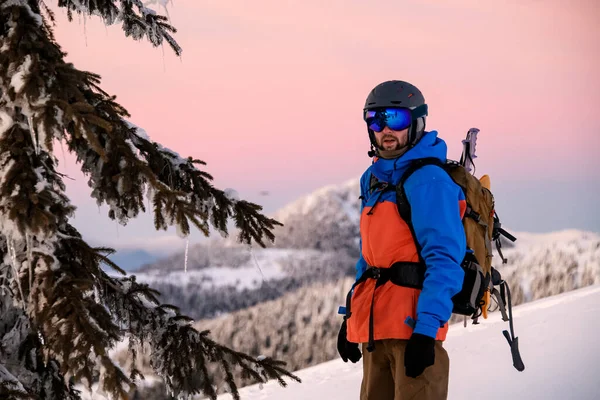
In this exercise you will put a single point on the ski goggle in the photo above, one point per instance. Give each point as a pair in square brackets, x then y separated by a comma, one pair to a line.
[396, 118]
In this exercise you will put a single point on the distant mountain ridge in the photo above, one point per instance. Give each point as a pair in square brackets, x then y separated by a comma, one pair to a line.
[317, 244]
[327, 219]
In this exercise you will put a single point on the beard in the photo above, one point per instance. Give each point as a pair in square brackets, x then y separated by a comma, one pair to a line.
[389, 142]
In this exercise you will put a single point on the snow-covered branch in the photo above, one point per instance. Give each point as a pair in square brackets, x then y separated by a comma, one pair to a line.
[139, 22]
[61, 309]
[178, 349]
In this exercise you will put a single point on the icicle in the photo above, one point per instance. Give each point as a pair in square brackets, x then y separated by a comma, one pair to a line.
[162, 46]
[87, 5]
[34, 138]
[3, 279]
[13, 257]
[96, 295]
[85, 30]
[29, 261]
[260, 371]
[62, 147]
[187, 242]
[164, 3]
[264, 281]
[256, 262]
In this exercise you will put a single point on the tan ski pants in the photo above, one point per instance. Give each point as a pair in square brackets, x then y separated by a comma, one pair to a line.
[384, 377]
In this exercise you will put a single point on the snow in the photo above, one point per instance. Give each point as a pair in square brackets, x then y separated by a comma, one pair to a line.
[176, 159]
[232, 195]
[138, 131]
[565, 255]
[344, 196]
[245, 276]
[262, 265]
[10, 381]
[6, 122]
[187, 246]
[23, 3]
[17, 81]
[265, 264]
[162, 3]
[558, 342]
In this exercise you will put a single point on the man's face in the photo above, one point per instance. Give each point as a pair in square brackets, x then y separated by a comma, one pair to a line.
[389, 139]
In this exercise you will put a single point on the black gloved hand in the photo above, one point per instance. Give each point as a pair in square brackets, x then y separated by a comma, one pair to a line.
[347, 350]
[419, 354]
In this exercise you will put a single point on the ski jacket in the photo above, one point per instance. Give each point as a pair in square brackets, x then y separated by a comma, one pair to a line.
[438, 205]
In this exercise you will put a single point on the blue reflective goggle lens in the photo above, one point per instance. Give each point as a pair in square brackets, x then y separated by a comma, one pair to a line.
[395, 118]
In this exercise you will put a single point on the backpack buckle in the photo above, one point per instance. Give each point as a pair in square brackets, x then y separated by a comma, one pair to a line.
[376, 273]
[472, 214]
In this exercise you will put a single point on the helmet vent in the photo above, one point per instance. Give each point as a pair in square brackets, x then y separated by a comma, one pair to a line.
[396, 102]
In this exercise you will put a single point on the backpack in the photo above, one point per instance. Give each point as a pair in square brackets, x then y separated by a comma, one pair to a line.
[482, 282]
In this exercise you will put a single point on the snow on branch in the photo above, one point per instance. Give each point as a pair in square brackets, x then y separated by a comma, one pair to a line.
[121, 162]
[63, 312]
[178, 350]
[10, 387]
[137, 19]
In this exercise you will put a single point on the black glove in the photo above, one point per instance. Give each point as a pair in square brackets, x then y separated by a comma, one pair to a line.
[419, 354]
[347, 350]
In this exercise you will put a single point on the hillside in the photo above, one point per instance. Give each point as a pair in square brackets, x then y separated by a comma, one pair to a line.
[556, 366]
[318, 243]
[226, 279]
[301, 326]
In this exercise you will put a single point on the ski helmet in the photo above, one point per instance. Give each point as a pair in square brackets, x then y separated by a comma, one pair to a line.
[398, 94]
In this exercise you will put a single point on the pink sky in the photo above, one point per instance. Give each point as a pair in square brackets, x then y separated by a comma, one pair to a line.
[269, 93]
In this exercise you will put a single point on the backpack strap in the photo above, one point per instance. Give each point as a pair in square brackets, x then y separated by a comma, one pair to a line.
[501, 302]
[512, 340]
[402, 201]
[470, 213]
[375, 185]
[497, 231]
[504, 301]
[403, 273]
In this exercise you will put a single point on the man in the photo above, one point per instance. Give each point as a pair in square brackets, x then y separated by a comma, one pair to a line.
[407, 273]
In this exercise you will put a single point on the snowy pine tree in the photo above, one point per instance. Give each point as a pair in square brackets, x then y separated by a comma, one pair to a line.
[60, 313]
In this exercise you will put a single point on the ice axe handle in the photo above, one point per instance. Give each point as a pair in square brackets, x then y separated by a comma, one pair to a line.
[514, 350]
[469, 149]
[507, 235]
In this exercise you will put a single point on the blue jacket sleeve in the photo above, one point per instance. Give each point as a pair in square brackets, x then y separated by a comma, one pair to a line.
[361, 264]
[435, 207]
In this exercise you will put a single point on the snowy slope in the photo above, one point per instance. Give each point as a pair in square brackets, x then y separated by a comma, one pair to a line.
[558, 342]
[343, 197]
